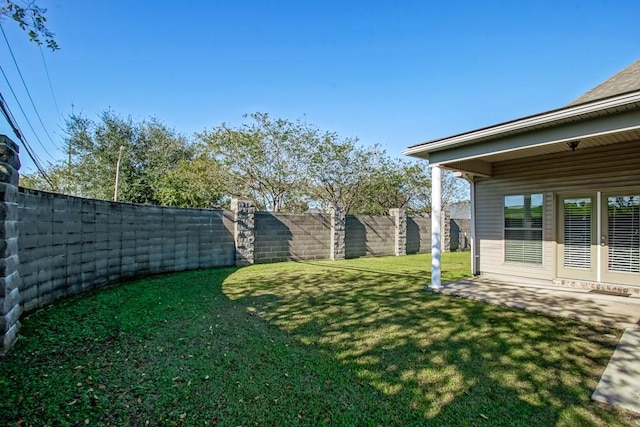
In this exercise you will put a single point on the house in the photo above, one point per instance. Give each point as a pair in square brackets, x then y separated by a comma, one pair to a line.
[555, 197]
[460, 210]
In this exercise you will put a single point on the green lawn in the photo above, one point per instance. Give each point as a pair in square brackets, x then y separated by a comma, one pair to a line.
[353, 342]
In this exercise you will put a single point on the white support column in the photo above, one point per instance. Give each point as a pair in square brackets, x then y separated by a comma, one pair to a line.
[436, 227]
[474, 249]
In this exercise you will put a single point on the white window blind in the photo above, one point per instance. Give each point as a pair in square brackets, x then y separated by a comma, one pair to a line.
[624, 234]
[577, 233]
[523, 228]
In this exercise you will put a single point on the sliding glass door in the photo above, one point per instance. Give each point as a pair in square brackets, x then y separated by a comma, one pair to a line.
[599, 237]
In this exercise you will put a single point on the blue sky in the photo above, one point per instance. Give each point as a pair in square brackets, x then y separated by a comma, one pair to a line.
[390, 72]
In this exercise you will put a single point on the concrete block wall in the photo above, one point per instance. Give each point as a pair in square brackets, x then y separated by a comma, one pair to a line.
[418, 234]
[460, 234]
[369, 235]
[68, 244]
[55, 245]
[291, 237]
[10, 308]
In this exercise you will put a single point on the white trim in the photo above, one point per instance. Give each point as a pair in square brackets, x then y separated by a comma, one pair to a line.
[436, 227]
[474, 250]
[599, 236]
[521, 124]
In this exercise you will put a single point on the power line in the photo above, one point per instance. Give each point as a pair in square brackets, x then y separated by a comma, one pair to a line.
[26, 88]
[24, 114]
[53, 95]
[16, 129]
[8, 115]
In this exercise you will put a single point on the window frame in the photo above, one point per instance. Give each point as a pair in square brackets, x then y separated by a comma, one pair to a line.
[507, 255]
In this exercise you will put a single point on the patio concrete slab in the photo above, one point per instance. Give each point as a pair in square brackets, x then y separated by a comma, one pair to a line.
[576, 303]
[620, 382]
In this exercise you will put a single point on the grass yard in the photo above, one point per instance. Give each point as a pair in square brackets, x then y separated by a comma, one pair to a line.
[354, 342]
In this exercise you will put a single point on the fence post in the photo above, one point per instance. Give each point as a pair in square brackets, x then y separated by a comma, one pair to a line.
[400, 219]
[244, 230]
[10, 309]
[338, 228]
[446, 231]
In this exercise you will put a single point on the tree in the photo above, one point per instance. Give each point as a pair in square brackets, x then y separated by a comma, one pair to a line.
[283, 166]
[396, 184]
[267, 159]
[453, 189]
[339, 169]
[150, 150]
[417, 186]
[201, 182]
[30, 18]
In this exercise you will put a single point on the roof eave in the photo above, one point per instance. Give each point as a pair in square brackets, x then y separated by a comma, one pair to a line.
[520, 125]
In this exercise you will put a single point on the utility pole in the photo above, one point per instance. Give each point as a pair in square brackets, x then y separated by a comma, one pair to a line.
[115, 190]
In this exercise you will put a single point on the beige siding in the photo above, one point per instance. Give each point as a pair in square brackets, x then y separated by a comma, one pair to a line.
[602, 168]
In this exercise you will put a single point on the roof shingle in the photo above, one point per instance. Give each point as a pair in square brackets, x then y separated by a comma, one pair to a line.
[627, 80]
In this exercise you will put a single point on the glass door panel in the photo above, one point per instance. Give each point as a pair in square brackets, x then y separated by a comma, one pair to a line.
[577, 249]
[621, 245]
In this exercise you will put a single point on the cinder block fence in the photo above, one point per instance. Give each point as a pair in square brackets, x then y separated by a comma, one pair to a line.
[55, 245]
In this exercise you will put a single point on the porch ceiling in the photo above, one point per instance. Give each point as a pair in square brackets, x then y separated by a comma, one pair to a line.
[559, 147]
[477, 159]
[594, 124]
[481, 165]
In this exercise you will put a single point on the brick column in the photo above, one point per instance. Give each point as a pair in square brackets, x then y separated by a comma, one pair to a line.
[338, 227]
[400, 219]
[10, 309]
[446, 231]
[244, 230]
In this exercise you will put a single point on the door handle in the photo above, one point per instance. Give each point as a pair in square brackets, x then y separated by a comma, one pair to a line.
[603, 240]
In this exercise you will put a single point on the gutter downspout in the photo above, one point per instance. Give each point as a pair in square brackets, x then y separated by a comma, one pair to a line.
[475, 257]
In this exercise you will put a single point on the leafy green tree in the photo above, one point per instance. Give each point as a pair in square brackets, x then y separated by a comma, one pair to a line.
[201, 182]
[267, 158]
[395, 184]
[453, 189]
[283, 166]
[366, 180]
[31, 18]
[407, 185]
[149, 151]
[56, 173]
[339, 171]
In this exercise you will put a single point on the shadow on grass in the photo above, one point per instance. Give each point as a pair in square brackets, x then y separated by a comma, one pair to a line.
[441, 360]
[174, 350]
[300, 344]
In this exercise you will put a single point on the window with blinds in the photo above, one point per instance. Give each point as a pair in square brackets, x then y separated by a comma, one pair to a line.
[624, 233]
[577, 232]
[523, 228]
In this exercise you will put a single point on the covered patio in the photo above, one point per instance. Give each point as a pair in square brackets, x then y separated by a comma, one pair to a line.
[555, 200]
[555, 197]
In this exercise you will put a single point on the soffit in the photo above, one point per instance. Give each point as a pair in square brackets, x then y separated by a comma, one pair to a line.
[521, 126]
[590, 142]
